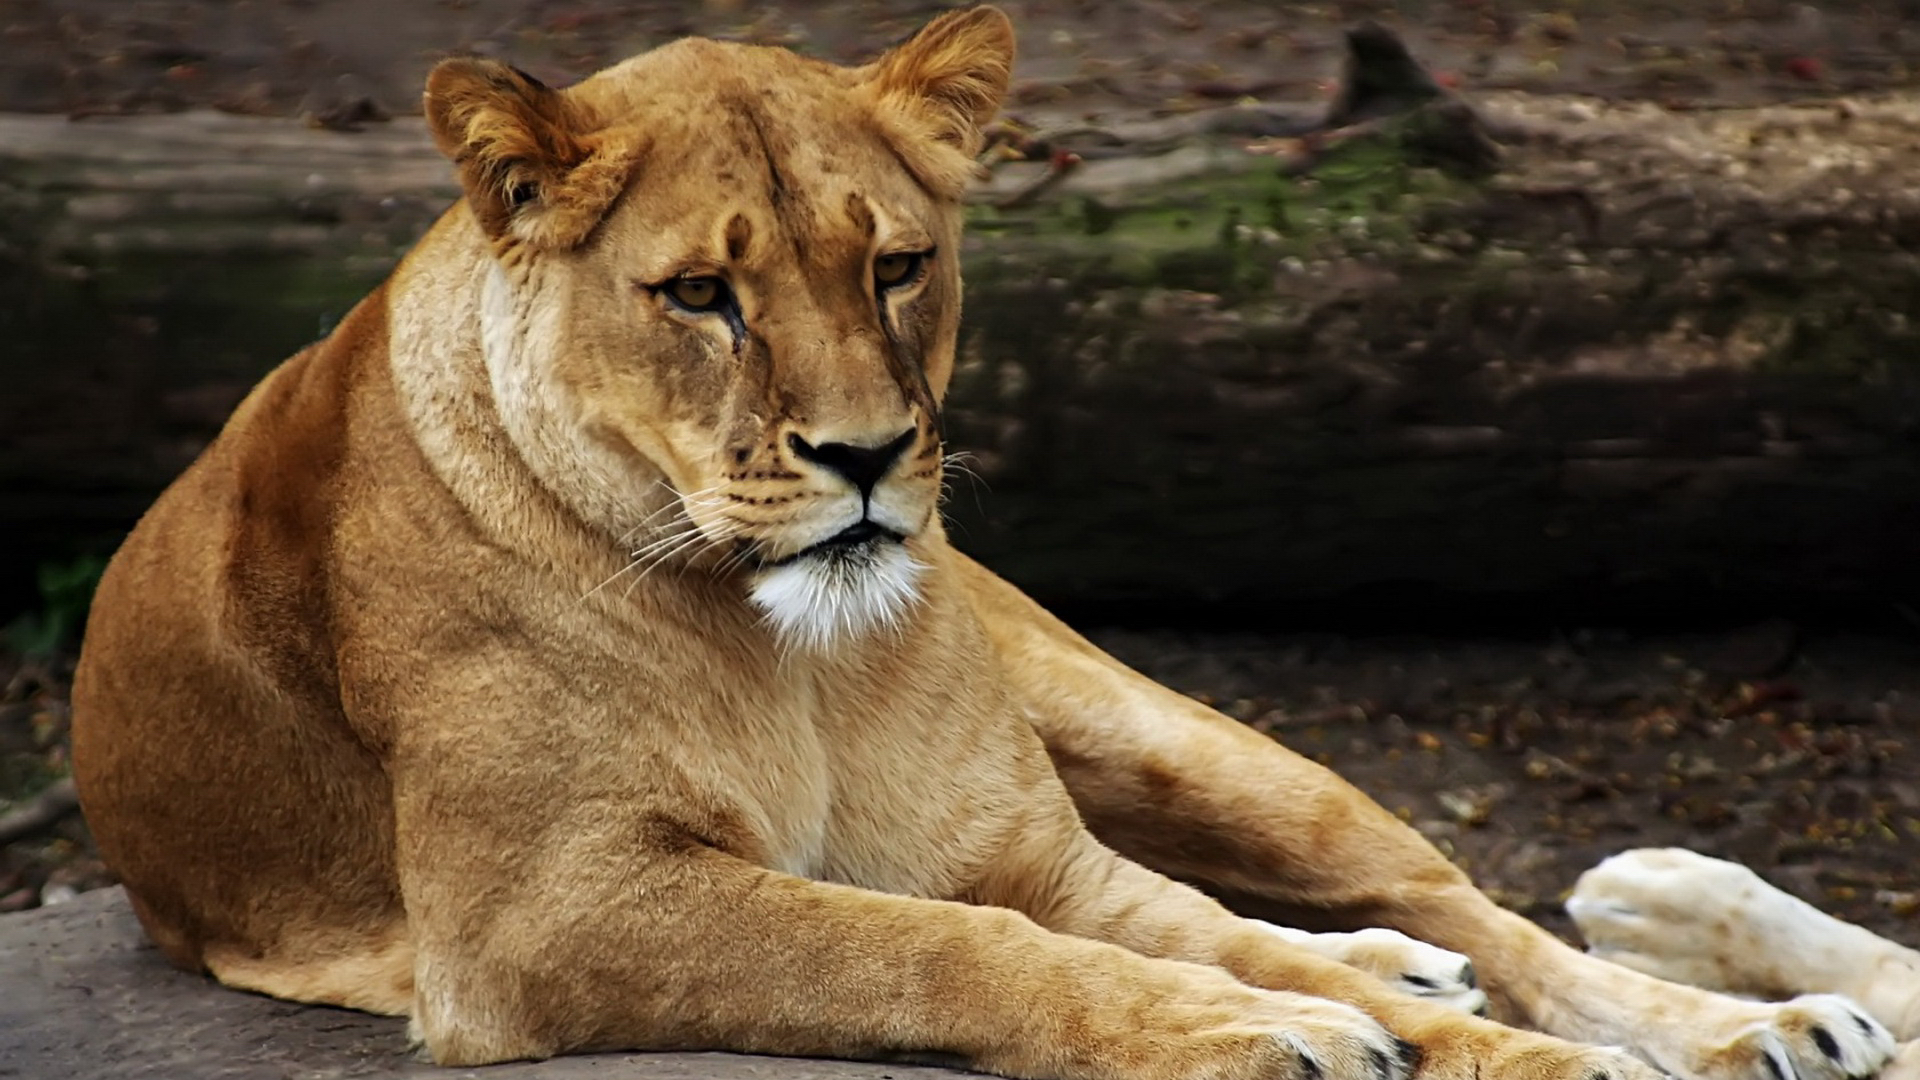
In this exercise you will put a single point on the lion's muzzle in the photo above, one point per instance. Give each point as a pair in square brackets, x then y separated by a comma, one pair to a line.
[861, 466]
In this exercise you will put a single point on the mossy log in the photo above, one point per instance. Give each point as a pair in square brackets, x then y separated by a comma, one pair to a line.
[1665, 352]
[1655, 358]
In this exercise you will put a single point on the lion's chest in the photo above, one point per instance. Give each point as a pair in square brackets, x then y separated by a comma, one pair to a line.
[894, 790]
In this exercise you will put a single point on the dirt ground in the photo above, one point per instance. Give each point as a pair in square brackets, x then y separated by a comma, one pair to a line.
[349, 58]
[1527, 761]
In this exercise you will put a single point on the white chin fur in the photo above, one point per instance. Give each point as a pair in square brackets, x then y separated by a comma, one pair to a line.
[837, 596]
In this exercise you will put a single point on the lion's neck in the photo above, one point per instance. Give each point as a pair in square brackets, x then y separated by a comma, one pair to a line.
[436, 315]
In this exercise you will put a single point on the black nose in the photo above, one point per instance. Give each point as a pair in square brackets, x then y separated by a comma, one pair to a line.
[863, 466]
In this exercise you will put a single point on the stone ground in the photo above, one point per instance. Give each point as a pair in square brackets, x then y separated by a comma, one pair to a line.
[83, 995]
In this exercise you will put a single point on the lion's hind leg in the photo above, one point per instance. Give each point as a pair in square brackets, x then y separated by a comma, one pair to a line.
[1706, 922]
[370, 970]
[1198, 797]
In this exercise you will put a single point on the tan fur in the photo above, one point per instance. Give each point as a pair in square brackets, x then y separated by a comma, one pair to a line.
[378, 706]
[1705, 922]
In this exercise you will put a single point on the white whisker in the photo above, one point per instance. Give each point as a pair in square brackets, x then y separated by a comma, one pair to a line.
[701, 499]
[695, 542]
[640, 556]
[720, 535]
[734, 560]
[610, 580]
[958, 462]
[667, 538]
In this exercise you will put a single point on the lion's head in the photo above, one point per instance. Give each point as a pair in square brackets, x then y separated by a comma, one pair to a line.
[724, 299]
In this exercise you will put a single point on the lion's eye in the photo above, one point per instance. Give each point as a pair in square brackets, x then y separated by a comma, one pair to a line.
[897, 269]
[698, 294]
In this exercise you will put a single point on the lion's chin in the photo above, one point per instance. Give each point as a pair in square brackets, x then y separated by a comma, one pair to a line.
[837, 595]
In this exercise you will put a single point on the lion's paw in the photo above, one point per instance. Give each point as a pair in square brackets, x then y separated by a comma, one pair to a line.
[1690, 919]
[1816, 1037]
[1310, 1039]
[1507, 1054]
[1407, 964]
[1586, 1063]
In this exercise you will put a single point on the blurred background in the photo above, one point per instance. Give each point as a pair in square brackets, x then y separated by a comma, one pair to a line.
[1515, 406]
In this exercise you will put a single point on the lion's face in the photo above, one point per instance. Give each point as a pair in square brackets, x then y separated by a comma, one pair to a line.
[725, 300]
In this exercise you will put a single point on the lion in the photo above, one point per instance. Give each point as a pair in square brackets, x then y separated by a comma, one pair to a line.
[565, 653]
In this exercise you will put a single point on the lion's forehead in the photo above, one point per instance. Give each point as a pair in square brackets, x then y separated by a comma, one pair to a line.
[760, 217]
[691, 65]
[781, 140]
[707, 98]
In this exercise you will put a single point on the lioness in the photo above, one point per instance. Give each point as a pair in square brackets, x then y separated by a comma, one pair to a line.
[566, 653]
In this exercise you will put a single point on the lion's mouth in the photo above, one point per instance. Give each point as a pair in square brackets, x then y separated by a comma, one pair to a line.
[853, 543]
[860, 578]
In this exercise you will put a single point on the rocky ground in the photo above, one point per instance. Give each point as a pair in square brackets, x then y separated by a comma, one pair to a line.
[1527, 761]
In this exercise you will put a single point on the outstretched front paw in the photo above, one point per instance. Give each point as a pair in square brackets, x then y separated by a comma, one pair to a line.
[1485, 1051]
[1236, 1031]
[1407, 964]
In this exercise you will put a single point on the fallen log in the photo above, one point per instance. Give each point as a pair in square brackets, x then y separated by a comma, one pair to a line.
[1653, 355]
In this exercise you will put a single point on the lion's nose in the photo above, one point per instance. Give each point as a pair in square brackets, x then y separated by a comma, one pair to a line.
[863, 466]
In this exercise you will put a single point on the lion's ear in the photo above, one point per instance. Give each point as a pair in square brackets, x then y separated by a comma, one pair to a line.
[533, 166]
[951, 76]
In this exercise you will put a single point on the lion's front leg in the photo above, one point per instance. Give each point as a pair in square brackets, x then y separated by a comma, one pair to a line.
[1197, 796]
[618, 916]
[1071, 883]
